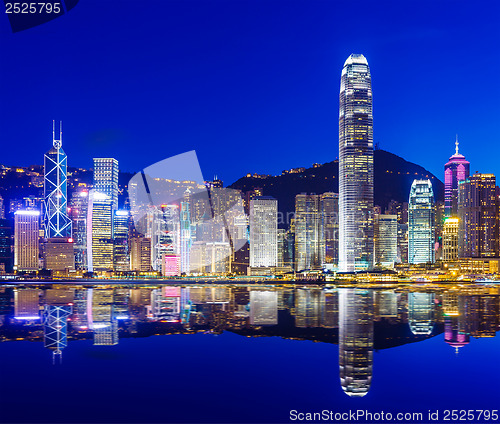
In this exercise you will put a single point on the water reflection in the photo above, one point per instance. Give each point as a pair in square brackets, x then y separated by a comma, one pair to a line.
[358, 320]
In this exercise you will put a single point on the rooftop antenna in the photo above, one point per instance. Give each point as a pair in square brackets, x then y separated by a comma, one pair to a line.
[56, 143]
[456, 145]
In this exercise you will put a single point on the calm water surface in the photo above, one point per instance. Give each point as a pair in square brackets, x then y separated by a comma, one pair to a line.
[218, 353]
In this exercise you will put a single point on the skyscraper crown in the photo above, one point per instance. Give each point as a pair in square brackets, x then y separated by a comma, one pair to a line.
[356, 58]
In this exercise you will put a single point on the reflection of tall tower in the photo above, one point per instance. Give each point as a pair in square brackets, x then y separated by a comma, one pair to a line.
[452, 334]
[55, 327]
[457, 169]
[421, 313]
[56, 222]
[355, 166]
[355, 341]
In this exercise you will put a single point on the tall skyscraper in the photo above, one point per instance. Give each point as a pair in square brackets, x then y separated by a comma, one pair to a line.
[26, 240]
[106, 178]
[450, 239]
[421, 224]
[307, 231]
[140, 254]
[121, 257]
[56, 222]
[355, 166]
[78, 211]
[478, 217]
[456, 170]
[263, 232]
[329, 228]
[185, 236]
[99, 232]
[386, 240]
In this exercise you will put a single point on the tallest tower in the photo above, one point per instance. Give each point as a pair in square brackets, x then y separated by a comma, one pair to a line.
[56, 222]
[355, 166]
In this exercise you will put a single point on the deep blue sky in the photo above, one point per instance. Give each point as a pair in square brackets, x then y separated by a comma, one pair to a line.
[252, 85]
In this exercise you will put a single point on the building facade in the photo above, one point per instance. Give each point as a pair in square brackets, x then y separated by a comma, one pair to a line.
[99, 232]
[421, 223]
[355, 166]
[478, 217]
[26, 240]
[106, 178]
[386, 240]
[455, 170]
[263, 232]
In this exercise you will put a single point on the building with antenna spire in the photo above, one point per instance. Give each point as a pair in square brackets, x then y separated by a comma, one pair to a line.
[56, 222]
[455, 170]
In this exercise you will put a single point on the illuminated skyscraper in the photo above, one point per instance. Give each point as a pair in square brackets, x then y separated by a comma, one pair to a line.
[121, 258]
[386, 240]
[355, 166]
[355, 341]
[106, 178]
[164, 230]
[263, 232]
[56, 222]
[185, 236]
[421, 223]
[450, 239]
[329, 228]
[478, 217]
[99, 232]
[26, 240]
[307, 231]
[140, 254]
[78, 211]
[456, 170]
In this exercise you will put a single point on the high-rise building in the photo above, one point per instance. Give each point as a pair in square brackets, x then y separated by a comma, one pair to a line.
[185, 236]
[99, 232]
[78, 211]
[355, 166]
[455, 170]
[164, 231]
[56, 222]
[140, 254]
[121, 258]
[263, 232]
[478, 217]
[106, 178]
[386, 240]
[26, 240]
[450, 239]
[421, 223]
[307, 231]
[356, 336]
[5, 246]
[329, 228]
[59, 254]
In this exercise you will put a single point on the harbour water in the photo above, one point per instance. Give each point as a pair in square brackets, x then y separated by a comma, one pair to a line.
[237, 353]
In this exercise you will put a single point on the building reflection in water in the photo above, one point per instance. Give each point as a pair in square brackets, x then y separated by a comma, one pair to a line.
[355, 340]
[358, 320]
[421, 313]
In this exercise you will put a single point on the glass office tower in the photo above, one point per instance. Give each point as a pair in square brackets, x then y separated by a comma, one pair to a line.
[355, 166]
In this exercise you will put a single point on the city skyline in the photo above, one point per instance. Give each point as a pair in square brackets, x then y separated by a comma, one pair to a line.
[136, 132]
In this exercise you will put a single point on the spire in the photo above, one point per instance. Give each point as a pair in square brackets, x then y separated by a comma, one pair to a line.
[456, 145]
[56, 143]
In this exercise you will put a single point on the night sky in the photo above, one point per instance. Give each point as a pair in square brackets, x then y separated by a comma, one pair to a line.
[251, 85]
